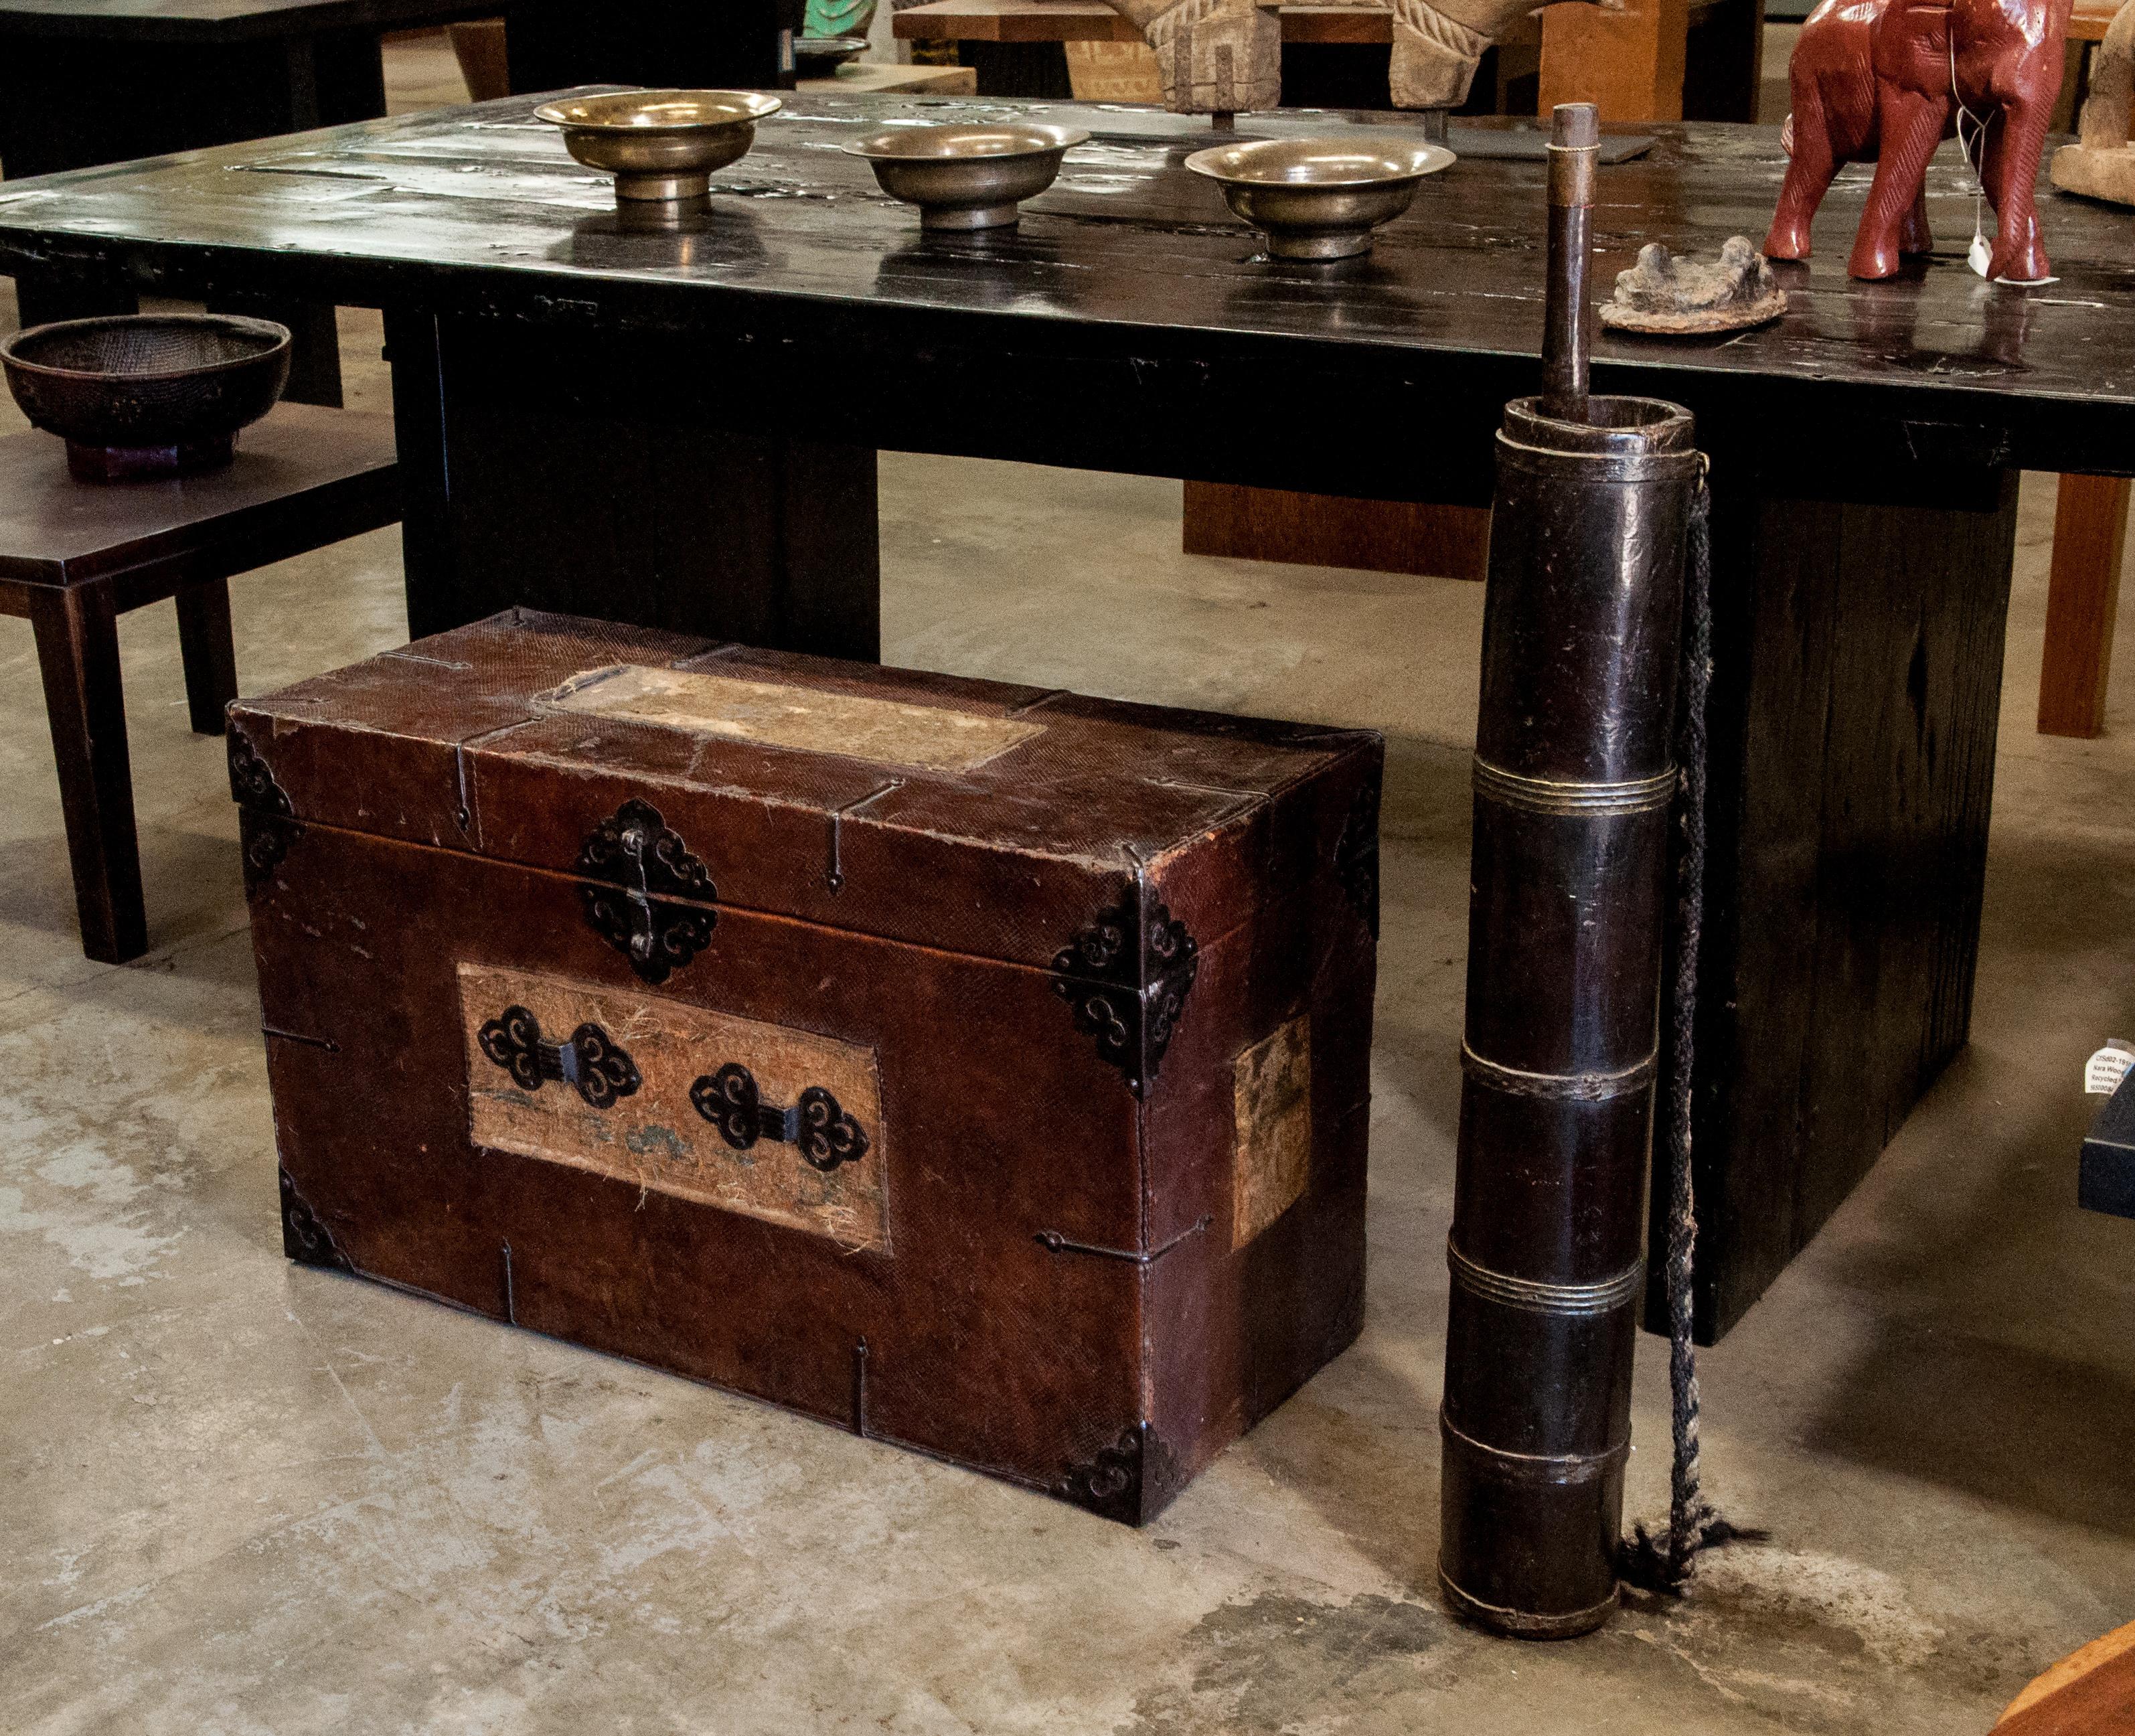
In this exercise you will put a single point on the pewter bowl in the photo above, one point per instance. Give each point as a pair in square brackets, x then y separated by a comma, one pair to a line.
[146, 395]
[821, 56]
[1319, 198]
[967, 177]
[660, 144]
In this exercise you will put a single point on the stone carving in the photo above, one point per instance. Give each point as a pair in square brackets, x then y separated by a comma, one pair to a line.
[1664, 296]
[2102, 163]
[1219, 56]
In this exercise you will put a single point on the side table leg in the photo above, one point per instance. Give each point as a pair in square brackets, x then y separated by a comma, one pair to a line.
[210, 657]
[78, 652]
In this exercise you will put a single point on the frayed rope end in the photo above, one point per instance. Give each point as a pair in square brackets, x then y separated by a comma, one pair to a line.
[1649, 1562]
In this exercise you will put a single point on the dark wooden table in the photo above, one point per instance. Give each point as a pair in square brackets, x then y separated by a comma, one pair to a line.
[677, 427]
[85, 82]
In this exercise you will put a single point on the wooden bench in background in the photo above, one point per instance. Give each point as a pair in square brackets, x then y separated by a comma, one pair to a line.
[2090, 540]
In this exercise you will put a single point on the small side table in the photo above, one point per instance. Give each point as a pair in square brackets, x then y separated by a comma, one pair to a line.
[75, 556]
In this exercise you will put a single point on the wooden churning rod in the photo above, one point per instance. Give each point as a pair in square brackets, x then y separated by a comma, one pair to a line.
[1567, 331]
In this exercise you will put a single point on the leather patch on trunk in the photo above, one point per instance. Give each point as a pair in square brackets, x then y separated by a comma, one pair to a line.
[1271, 1158]
[767, 714]
[761, 1119]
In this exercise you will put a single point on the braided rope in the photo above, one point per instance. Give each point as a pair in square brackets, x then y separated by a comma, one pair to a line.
[1665, 1563]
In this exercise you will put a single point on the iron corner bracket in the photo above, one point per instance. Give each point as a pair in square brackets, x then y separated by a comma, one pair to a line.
[1131, 1480]
[304, 1239]
[1126, 977]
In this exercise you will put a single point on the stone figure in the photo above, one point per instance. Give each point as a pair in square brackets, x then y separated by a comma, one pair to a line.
[1219, 56]
[2101, 164]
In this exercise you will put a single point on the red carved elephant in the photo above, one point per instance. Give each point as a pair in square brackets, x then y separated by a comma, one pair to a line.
[1881, 81]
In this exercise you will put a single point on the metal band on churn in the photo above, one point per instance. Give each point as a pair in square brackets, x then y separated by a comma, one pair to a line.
[1574, 775]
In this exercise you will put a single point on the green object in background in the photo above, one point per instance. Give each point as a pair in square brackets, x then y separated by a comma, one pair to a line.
[838, 17]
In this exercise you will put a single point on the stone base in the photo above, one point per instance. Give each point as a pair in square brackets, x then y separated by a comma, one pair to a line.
[2096, 171]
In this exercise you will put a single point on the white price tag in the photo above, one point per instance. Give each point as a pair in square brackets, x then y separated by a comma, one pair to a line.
[2104, 1071]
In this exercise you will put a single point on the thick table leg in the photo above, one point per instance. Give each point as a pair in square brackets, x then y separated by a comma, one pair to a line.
[1857, 672]
[314, 346]
[584, 475]
[72, 105]
[2083, 599]
[210, 657]
[1036, 70]
[41, 297]
[78, 651]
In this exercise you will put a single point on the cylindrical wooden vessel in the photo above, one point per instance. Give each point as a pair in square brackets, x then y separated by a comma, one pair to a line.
[1574, 778]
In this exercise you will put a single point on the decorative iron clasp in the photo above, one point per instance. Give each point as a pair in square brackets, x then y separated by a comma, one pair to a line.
[817, 1124]
[591, 1061]
[642, 859]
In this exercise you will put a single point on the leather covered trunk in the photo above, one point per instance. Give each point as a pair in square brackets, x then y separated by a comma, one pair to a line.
[978, 1067]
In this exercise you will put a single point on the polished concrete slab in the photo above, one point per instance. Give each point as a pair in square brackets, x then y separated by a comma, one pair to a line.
[240, 1496]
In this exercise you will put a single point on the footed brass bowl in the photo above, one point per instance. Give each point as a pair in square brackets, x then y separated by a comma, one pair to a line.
[660, 144]
[1320, 198]
[967, 177]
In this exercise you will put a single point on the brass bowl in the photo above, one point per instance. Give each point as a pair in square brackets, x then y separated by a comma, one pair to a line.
[1320, 198]
[660, 144]
[967, 178]
[146, 395]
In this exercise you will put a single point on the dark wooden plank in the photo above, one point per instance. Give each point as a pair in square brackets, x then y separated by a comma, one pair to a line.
[1852, 767]
[302, 478]
[78, 653]
[224, 20]
[1324, 530]
[1773, 622]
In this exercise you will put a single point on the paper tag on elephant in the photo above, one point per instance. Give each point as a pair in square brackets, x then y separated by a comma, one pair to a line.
[761, 1119]
[773, 714]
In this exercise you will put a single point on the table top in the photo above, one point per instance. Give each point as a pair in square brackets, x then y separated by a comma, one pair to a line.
[2091, 19]
[56, 531]
[1013, 21]
[223, 21]
[1132, 270]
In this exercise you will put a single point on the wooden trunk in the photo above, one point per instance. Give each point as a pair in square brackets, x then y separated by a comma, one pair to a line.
[981, 1068]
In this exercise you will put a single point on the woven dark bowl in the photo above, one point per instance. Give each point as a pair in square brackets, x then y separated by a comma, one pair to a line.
[146, 395]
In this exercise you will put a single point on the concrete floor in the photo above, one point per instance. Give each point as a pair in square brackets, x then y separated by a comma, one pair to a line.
[238, 1496]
